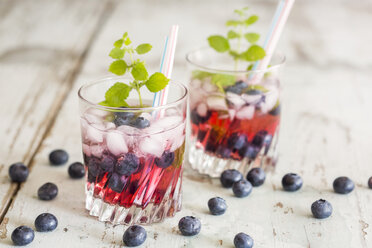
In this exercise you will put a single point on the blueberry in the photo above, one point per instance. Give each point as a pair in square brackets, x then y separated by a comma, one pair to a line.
[259, 138]
[370, 182]
[291, 182]
[242, 188]
[253, 92]
[58, 157]
[229, 177]
[107, 163]
[275, 111]
[343, 185]
[140, 122]
[189, 226]
[47, 191]
[127, 165]
[76, 170]
[237, 88]
[217, 206]
[321, 209]
[223, 152]
[93, 166]
[165, 160]
[18, 172]
[46, 222]
[91, 178]
[121, 121]
[22, 235]
[237, 141]
[256, 177]
[249, 151]
[243, 240]
[117, 182]
[134, 236]
[197, 119]
[127, 115]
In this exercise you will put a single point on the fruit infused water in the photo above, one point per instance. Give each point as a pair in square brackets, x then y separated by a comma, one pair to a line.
[133, 157]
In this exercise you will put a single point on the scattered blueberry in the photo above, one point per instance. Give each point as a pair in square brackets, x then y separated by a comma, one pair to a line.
[189, 226]
[249, 151]
[242, 188]
[22, 235]
[256, 176]
[165, 160]
[275, 111]
[46, 222]
[229, 177]
[237, 141]
[237, 88]
[370, 182]
[107, 163]
[76, 170]
[140, 122]
[117, 182]
[127, 165]
[134, 236]
[93, 166]
[343, 185]
[223, 152]
[217, 206]
[321, 209]
[243, 240]
[197, 119]
[259, 138]
[291, 182]
[47, 191]
[58, 157]
[18, 172]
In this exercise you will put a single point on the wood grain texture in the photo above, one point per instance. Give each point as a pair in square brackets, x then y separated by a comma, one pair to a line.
[325, 133]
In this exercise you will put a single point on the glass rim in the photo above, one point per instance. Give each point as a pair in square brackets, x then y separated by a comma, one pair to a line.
[134, 109]
[209, 69]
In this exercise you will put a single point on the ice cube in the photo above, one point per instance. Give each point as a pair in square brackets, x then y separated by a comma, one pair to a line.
[93, 134]
[236, 100]
[86, 150]
[177, 143]
[97, 150]
[216, 102]
[195, 84]
[128, 130]
[209, 87]
[152, 145]
[246, 112]
[232, 113]
[172, 112]
[165, 123]
[116, 143]
[271, 99]
[93, 119]
[252, 99]
[109, 126]
[196, 96]
[202, 109]
[173, 135]
[147, 116]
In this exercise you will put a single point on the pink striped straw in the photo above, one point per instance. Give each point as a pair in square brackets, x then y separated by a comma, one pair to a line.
[276, 28]
[166, 66]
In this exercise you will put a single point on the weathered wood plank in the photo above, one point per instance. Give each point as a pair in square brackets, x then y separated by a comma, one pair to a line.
[42, 47]
[325, 133]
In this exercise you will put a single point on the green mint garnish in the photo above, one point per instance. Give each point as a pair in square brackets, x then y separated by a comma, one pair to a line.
[117, 94]
[238, 29]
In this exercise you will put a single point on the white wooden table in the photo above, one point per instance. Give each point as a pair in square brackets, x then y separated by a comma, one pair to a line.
[49, 48]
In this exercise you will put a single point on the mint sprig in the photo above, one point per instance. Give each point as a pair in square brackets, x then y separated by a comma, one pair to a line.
[238, 31]
[117, 94]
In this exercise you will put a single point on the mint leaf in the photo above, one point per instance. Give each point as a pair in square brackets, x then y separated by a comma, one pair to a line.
[254, 53]
[156, 82]
[125, 35]
[240, 12]
[197, 74]
[118, 67]
[143, 48]
[127, 41]
[250, 67]
[119, 43]
[252, 37]
[252, 19]
[219, 43]
[115, 96]
[223, 79]
[117, 53]
[234, 54]
[232, 34]
[233, 23]
[139, 71]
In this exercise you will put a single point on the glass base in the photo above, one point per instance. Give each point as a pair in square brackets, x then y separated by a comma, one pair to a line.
[208, 164]
[152, 213]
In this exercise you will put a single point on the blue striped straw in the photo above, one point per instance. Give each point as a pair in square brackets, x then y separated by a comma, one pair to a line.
[156, 100]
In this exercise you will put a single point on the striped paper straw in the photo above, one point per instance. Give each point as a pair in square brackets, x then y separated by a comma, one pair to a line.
[166, 65]
[276, 28]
